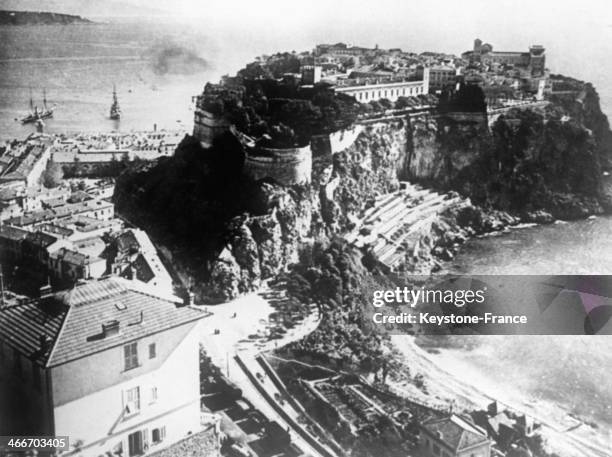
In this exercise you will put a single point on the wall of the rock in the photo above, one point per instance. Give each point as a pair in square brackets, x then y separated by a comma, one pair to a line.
[320, 191]
[262, 246]
[371, 166]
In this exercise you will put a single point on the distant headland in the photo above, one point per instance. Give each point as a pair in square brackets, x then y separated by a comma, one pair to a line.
[39, 18]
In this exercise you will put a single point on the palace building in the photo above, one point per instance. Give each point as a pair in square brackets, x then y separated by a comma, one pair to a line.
[534, 59]
[367, 90]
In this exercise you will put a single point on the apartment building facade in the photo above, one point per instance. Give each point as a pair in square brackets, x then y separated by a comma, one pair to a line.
[107, 363]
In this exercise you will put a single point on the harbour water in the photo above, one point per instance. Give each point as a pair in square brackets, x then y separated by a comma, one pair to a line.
[78, 66]
[566, 376]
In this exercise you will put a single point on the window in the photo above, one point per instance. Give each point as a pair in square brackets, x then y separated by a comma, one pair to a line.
[136, 443]
[153, 397]
[158, 434]
[130, 354]
[132, 400]
[152, 351]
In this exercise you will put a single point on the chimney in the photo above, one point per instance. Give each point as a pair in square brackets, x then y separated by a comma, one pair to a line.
[110, 328]
[492, 409]
[44, 342]
[189, 299]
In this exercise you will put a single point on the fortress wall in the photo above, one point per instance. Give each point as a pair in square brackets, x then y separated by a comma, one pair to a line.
[207, 126]
[286, 166]
[494, 114]
[335, 142]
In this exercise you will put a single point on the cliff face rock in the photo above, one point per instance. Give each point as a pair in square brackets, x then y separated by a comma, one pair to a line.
[583, 106]
[536, 162]
[368, 168]
[440, 146]
[530, 165]
[262, 246]
[423, 157]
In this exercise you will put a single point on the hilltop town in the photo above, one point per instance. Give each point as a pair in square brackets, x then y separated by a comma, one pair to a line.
[165, 293]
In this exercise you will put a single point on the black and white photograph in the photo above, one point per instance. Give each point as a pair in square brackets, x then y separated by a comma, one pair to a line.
[336, 228]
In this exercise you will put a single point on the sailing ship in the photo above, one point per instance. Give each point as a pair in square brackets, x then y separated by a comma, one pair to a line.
[35, 113]
[115, 110]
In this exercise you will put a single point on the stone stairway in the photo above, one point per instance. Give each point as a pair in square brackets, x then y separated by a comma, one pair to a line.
[394, 226]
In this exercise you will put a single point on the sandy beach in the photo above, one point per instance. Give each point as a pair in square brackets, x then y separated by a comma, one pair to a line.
[450, 379]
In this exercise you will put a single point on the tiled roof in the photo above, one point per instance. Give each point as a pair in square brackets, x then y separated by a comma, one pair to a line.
[12, 233]
[143, 269]
[40, 239]
[127, 241]
[74, 257]
[456, 433]
[69, 209]
[22, 326]
[76, 329]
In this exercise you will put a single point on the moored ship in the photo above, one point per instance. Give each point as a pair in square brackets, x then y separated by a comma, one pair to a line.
[115, 110]
[37, 114]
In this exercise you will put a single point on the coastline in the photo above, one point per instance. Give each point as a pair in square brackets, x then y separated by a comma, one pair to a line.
[448, 376]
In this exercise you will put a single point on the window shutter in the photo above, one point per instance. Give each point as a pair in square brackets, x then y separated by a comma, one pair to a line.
[163, 433]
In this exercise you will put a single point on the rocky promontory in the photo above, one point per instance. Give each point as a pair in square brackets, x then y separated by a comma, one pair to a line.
[529, 165]
[39, 18]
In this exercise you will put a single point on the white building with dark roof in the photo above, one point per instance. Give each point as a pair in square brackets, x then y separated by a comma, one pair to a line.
[136, 258]
[108, 363]
[453, 436]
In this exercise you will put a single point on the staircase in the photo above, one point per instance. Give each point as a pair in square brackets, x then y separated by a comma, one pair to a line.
[394, 226]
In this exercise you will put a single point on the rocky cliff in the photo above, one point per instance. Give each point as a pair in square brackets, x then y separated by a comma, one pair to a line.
[232, 232]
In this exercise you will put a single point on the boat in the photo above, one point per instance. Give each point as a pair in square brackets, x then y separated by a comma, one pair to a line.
[36, 114]
[115, 110]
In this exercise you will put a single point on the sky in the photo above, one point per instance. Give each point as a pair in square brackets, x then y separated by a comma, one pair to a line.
[506, 22]
[447, 22]
[415, 25]
[577, 34]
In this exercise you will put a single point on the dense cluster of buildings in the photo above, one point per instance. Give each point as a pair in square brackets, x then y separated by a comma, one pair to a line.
[23, 163]
[384, 82]
[116, 146]
[374, 74]
[94, 344]
[68, 235]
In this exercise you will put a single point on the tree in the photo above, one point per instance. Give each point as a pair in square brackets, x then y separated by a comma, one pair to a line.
[53, 175]
[386, 103]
